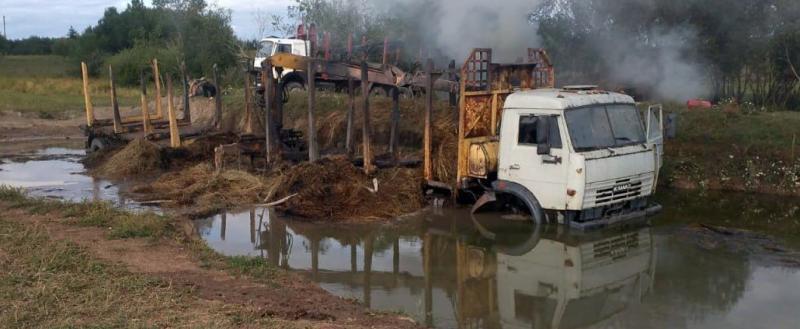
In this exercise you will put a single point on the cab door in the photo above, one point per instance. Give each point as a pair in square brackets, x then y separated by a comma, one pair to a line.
[523, 161]
[655, 132]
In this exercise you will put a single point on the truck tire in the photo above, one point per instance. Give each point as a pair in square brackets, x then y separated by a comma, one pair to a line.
[378, 91]
[98, 144]
[524, 196]
[293, 86]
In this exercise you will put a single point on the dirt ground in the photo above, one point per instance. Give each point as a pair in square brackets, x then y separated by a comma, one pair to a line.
[290, 298]
[17, 127]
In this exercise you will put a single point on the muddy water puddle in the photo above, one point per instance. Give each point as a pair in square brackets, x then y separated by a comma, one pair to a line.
[56, 172]
[450, 270]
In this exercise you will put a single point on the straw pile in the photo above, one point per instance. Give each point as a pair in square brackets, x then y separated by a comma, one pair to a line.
[138, 157]
[205, 191]
[334, 189]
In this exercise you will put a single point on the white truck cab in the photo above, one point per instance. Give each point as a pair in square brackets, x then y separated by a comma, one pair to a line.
[584, 154]
[272, 46]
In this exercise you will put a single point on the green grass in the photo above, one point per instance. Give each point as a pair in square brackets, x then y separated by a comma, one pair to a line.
[47, 87]
[122, 224]
[735, 150]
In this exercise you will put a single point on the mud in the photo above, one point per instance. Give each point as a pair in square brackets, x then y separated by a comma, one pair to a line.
[762, 247]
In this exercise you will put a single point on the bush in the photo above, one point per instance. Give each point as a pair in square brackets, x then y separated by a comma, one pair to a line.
[129, 62]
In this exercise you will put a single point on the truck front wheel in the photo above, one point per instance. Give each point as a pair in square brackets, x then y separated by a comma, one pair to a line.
[523, 197]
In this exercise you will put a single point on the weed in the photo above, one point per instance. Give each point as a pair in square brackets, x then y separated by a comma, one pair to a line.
[55, 284]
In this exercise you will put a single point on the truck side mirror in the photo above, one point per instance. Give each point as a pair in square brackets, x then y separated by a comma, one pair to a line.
[543, 135]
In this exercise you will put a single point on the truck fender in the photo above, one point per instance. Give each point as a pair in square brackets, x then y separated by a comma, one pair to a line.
[524, 195]
[294, 76]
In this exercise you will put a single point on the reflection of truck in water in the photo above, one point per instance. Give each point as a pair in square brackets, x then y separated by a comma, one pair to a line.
[554, 281]
[564, 284]
[578, 154]
[452, 272]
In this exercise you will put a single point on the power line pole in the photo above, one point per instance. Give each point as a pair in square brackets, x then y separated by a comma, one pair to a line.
[5, 36]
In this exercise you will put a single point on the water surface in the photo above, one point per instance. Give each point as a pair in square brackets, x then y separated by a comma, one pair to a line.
[450, 270]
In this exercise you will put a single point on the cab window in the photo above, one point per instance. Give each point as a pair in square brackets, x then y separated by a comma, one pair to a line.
[284, 48]
[527, 130]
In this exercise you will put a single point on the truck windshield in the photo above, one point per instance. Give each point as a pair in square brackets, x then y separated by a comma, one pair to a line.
[266, 49]
[603, 126]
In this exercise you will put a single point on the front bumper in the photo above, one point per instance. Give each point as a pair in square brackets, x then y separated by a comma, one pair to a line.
[625, 217]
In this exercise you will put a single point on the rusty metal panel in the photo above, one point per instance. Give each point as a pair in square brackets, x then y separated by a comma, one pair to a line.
[477, 116]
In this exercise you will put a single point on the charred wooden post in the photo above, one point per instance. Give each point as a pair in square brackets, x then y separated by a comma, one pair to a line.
[364, 52]
[393, 130]
[217, 99]
[157, 80]
[451, 71]
[385, 51]
[114, 103]
[351, 111]
[427, 164]
[366, 129]
[174, 133]
[349, 46]
[327, 45]
[248, 108]
[86, 97]
[269, 126]
[277, 113]
[146, 127]
[187, 114]
[313, 150]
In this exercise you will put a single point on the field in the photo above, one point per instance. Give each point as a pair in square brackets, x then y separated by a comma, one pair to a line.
[731, 149]
[47, 87]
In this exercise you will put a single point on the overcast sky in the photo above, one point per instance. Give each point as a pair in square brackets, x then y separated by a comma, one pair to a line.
[52, 18]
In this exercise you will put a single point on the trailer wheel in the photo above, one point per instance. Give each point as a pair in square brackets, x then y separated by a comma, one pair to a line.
[98, 144]
[378, 91]
[294, 86]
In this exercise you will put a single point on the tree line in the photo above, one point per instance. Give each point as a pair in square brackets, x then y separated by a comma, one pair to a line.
[747, 51]
[174, 31]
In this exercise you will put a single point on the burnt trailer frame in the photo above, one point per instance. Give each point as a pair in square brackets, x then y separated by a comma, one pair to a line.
[119, 130]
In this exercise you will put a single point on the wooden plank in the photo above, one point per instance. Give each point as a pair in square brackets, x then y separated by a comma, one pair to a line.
[267, 82]
[174, 133]
[147, 128]
[248, 108]
[157, 80]
[86, 97]
[217, 99]
[427, 147]
[187, 113]
[366, 129]
[395, 123]
[114, 103]
[351, 111]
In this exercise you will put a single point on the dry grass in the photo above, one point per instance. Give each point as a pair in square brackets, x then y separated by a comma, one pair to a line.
[138, 157]
[42, 85]
[202, 191]
[47, 283]
[334, 189]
